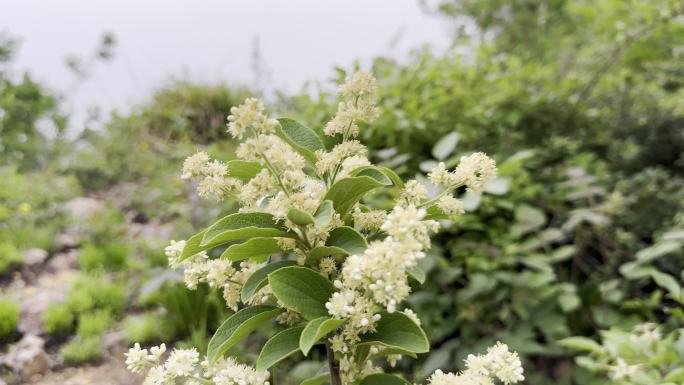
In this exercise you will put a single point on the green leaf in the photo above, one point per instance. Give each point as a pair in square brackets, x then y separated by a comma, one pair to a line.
[315, 330]
[300, 217]
[416, 273]
[658, 250]
[279, 347]
[668, 283]
[389, 351]
[194, 245]
[373, 172]
[259, 278]
[397, 330]
[581, 343]
[347, 191]
[255, 248]
[445, 146]
[243, 169]
[527, 219]
[302, 290]
[321, 377]
[324, 214]
[238, 326]
[244, 225]
[383, 379]
[301, 138]
[396, 179]
[342, 240]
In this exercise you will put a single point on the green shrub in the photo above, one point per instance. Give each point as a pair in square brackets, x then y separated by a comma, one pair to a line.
[58, 319]
[80, 350]
[94, 324]
[144, 328]
[93, 292]
[110, 257]
[10, 257]
[9, 317]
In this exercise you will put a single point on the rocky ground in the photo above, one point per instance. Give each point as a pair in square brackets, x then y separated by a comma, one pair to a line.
[45, 279]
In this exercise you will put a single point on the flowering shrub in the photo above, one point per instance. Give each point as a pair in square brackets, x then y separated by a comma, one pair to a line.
[642, 356]
[310, 250]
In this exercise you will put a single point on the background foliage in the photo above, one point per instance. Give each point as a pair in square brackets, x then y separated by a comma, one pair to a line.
[580, 101]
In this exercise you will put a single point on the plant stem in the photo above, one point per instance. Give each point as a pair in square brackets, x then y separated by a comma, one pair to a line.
[333, 365]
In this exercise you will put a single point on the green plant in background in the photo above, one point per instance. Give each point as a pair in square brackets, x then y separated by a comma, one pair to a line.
[591, 89]
[110, 257]
[10, 257]
[143, 328]
[32, 209]
[638, 357]
[186, 315]
[25, 105]
[93, 304]
[309, 249]
[80, 350]
[9, 318]
[58, 319]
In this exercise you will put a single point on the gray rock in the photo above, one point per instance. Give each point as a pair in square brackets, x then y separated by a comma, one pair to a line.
[35, 256]
[27, 358]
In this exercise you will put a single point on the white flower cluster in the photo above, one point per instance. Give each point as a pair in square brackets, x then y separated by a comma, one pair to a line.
[217, 273]
[643, 337]
[249, 116]
[622, 370]
[482, 369]
[359, 91]
[377, 280]
[184, 367]
[473, 171]
[646, 333]
[214, 183]
[282, 184]
[366, 284]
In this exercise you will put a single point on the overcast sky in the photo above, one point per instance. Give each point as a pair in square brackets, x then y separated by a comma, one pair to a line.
[209, 40]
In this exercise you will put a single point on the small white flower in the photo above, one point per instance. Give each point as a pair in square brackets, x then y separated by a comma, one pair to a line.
[249, 115]
[174, 250]
[195, 165]
[450, 205]
[182, 362]
[137, 359]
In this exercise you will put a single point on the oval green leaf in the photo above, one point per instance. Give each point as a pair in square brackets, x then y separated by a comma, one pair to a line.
[256, 248]
[315, 330]
[302, 290]
[342, 240]
[393, 176]
[244, 225]
[259, 279]
[324, 214]
[302, 138]
[373, 172]
[581, 343]
[321, 377]
[238, 326]
[416, 273]
[242, 169]
[397, 330]
[279, 347]
[194, 245]
[300, 217]
[347, 191]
